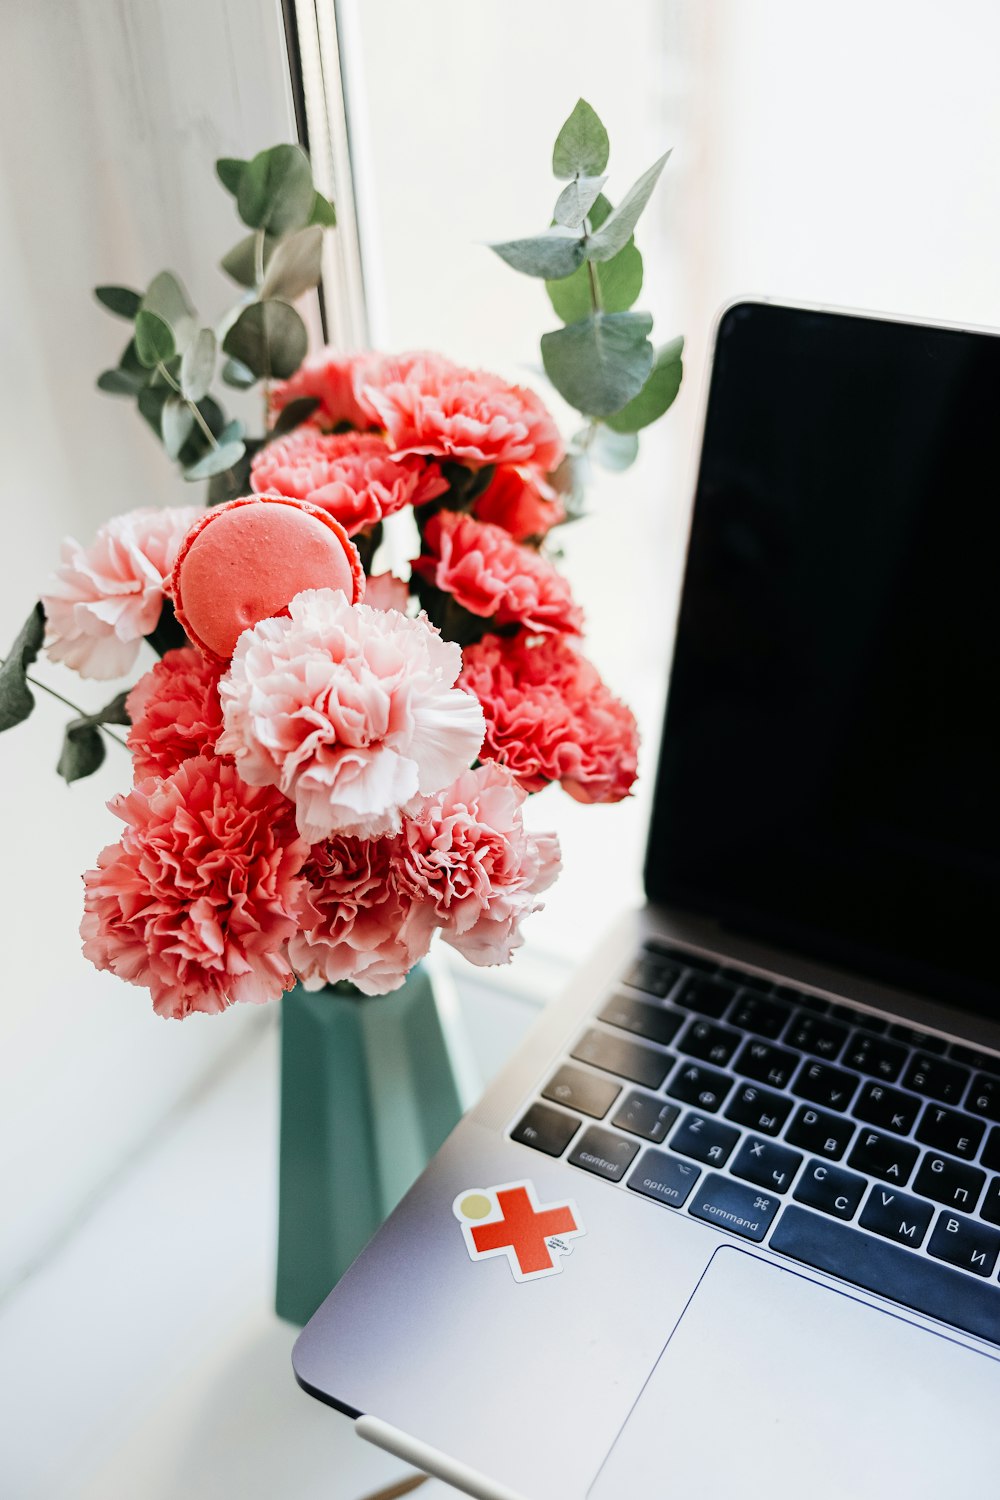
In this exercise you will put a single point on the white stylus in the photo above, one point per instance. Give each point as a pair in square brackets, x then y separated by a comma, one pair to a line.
[431, 1460]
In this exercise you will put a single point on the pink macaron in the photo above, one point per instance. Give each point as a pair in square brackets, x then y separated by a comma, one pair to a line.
[245, 561]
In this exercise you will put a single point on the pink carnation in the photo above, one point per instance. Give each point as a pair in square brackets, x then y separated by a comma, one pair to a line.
[470, 858]
[333, 380]
[351, 475]
[386, 591]
[515, 502]
[358, 922]
[350, 711]
[429, 405]
[549, 716]
[495, 577]
[198, 899]
[104, 598]
[175, 713]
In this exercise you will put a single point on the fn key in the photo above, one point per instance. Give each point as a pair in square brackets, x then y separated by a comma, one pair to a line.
[548, 1130]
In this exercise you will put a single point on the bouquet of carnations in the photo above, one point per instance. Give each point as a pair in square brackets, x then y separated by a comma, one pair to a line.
[331, 761]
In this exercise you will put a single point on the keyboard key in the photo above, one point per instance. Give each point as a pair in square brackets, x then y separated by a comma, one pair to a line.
[740, 977]
[582, 1091]
[895, 1216]
[822, 1134]
[760, 1013]
[877, 1104]
[964, 1243]
[546, 1129]
[653, 973]
[679, 956]
[728, 1205]
[971, 1057]
[936, 1077]
[818, 1035]
[709, 997]
[991, 1151]
[875, 1055]
[766, 1163]
[645, 1115]
[924, 1285]
[766, 1063]
[704, 1139]
[665, 1178]
[830, 1189]
[604, 1154]
[798, 997]
[758, 1108]
[947, 1130]
[877, 1025]
[949, 1182]
[822, 1084]
[990, 1208]
[708, 1042]
[693, 1083]
[884, 1156]
[921, 1039]
[626, 1059]
[642, 1019]
[984, 1096]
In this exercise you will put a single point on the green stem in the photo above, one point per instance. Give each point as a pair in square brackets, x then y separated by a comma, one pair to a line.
[596, 300]
[80, 713]
[258, 262]
[189, 404]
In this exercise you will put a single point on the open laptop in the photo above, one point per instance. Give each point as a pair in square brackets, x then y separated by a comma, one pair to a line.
[730, 1220]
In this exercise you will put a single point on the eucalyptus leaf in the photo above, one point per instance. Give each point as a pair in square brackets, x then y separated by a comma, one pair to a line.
[240, 262]
[576, 200]
[165, 296]
[269, 338]
[231, 433]
[216, 461]
[601, 363]
[292, 416]
[323, 212]
[276, 190]
[582, 146]
[131, 362]
[570, 483]
[120, 300]
[614, 450]
[212, 415]
[166, 634]
[295, 265]
[16, 698]
[152, 400]
[120, 382]
[198, 365]
[237, 375]
[229, 170]
[82, 750]
[554, 254]
[657, 394]
[619, 281]
[235, 481]
[154, 339]
[616, 231]
[176, 421]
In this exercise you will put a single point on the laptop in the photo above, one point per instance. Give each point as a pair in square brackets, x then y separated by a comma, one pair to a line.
[729, 1222]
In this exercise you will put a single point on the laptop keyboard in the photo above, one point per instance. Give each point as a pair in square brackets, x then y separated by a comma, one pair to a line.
[855, 1146]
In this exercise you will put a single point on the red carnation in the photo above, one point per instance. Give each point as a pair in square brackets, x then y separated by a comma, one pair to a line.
[493, 576]
[175, 713]
[514, 502]
[550, 717]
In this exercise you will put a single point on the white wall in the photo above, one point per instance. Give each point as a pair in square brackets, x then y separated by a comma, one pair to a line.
[111, 116]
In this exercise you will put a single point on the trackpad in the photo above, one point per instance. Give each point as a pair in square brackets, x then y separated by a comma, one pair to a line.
[774, 1385]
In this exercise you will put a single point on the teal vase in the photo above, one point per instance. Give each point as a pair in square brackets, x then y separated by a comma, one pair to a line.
[369, 1092]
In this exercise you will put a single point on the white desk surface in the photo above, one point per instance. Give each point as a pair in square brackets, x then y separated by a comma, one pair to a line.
[141, 1360]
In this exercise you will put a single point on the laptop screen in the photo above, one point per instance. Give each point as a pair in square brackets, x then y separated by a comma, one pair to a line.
[830, 772]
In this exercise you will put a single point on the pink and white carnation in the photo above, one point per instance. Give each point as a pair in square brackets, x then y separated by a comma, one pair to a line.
[493, 576]
[351, 475]
[104, 598]
[429, 405]
[386, 591]
[358, 921]
[199, 898]
[350, 711]
[175, 713]
[468, 857]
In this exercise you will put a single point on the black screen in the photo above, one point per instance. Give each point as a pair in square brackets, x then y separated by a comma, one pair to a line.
[830, 771]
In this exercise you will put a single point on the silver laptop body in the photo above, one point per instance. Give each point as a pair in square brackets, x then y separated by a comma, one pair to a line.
[730, 1220]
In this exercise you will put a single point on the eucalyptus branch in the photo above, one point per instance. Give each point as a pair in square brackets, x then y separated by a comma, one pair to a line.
[81, 713]
[191, 405]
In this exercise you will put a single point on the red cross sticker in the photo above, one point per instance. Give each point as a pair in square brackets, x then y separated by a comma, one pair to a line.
[510, 1221]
